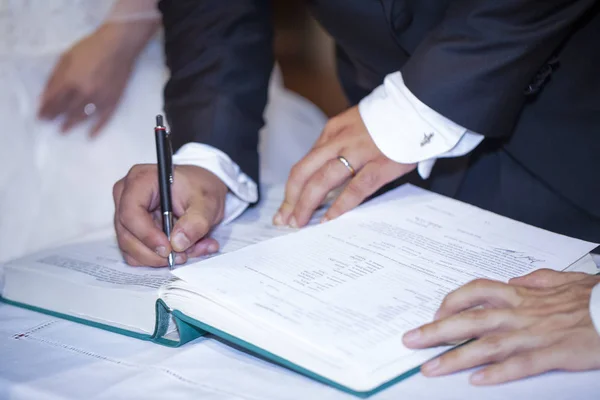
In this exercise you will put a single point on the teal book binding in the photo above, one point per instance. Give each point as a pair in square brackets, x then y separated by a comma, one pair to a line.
[190, 329]
[187, 332]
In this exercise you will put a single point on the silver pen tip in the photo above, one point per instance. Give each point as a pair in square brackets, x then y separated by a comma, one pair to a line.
[171, 261]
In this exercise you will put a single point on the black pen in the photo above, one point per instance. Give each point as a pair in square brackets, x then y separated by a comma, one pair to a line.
[165, 178]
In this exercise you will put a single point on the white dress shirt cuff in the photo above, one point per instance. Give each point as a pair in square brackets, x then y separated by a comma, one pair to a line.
[595, 307]
[407, 131]
[242, 189]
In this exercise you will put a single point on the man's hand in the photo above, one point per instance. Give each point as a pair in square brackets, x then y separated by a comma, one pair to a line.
[198, 199]
[320, 171]
[533, 324]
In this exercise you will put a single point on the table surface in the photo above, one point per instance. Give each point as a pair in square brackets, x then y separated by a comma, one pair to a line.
[42, 357]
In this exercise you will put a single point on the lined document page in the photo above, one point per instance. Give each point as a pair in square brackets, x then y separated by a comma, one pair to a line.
[255, 224]
[353, 286]
[95, 283]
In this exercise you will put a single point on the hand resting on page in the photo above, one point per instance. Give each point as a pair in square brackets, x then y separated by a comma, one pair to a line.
[533, 324]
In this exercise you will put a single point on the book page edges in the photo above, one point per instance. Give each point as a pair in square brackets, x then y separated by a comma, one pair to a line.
[179, 316]
[78, 320]
[187, 332]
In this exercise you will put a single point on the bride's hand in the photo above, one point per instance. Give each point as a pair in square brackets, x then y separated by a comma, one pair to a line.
[90, 77]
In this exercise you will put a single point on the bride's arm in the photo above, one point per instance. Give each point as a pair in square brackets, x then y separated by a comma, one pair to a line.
[136, 20]
[90, 77]
[130, 10]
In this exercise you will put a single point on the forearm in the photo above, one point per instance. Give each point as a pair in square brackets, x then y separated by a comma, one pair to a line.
[134, 9]
[131, 24]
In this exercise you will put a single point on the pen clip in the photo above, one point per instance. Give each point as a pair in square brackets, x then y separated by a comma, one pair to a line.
[169, 156]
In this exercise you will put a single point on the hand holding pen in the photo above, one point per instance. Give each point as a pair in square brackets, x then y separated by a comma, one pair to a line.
[194, 197]
[179, 238]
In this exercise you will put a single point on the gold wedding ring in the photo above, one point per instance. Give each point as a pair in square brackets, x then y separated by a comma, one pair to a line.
[347, 165]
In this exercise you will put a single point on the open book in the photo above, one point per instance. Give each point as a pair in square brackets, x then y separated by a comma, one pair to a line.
[331, 301]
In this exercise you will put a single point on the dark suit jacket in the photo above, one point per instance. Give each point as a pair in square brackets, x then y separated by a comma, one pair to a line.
[523, 73]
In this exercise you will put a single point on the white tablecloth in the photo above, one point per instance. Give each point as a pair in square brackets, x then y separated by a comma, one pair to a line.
[47, 358]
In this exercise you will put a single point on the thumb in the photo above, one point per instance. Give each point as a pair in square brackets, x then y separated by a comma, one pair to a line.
[196, 222]
[546, 278]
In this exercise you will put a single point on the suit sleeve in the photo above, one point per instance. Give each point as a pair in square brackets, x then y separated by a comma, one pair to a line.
[474, 67]
[220, 57]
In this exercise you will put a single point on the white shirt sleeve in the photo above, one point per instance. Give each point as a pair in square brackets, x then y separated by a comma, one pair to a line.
[595, 307]
[407, 131]
[242, 189]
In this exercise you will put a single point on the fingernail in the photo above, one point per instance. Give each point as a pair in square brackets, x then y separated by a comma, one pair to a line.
[431, 367]
[478, 377]
[278, 220]
[293, 223]
[412, 337]
[212, 248]
[180, 242]
[162, 251]
[179, 259]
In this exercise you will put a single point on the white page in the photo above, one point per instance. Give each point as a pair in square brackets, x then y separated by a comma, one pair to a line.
[99, 262]
[95, 264]
[96, 284]
[88, 281]
[255, 225]
[354, 285]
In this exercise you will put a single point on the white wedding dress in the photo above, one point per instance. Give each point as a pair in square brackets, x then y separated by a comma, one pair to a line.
[54, 188]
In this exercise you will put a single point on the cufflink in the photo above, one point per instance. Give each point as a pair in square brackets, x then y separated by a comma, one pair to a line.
[542, 77]
[426, 138]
